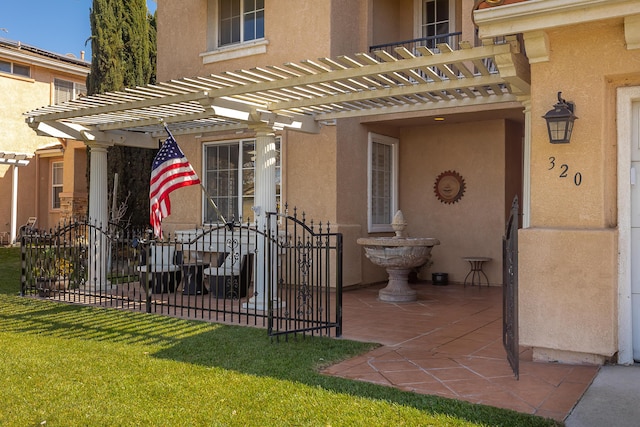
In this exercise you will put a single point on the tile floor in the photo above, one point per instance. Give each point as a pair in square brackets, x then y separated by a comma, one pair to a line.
[449, 343]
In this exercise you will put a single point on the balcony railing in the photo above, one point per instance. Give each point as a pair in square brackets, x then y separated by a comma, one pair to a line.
[452, 40]
[432, 42]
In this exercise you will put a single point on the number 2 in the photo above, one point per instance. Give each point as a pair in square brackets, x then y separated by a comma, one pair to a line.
[564, 168]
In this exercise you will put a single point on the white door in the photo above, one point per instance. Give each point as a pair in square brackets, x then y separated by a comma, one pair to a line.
[635, 230]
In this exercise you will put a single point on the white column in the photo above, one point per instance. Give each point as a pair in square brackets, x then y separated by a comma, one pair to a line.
[98, 214]
[265, 201]
[526, 167]
[14, 205]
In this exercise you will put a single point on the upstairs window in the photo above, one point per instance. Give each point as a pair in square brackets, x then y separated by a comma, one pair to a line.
[240, 21]
[13, 68]
[436, 18]
[65, 90]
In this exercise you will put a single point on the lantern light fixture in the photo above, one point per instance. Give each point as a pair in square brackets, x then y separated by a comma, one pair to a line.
[560, 121]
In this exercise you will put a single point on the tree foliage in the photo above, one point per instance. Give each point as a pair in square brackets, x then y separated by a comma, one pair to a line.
[123, 36]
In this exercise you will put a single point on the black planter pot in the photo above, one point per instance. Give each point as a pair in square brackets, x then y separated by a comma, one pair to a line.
[440, 279]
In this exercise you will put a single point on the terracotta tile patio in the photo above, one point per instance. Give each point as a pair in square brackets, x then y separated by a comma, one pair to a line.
[449, 343]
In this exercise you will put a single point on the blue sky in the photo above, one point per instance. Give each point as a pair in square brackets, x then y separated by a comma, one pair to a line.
[60, 26]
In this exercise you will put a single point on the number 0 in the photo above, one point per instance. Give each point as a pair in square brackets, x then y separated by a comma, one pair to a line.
[577, 178]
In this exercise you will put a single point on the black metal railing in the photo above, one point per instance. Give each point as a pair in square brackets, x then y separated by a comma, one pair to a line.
[431, 42]
[452, 40]
[285, 276]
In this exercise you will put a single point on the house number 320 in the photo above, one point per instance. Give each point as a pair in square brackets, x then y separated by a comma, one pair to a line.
[564, 171]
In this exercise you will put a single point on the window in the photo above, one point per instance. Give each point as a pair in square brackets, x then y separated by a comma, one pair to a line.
[65, 90]
[383, 182]
[229, 174]
[235, 29]
[56, 184]
[436, 18]
[17, 69]
[240, 21]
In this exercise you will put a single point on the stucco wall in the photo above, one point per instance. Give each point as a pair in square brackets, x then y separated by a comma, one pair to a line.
[182, 36]
[390, 21]
[566, 299]
[568, 260]
[474, 226]
[556, 201]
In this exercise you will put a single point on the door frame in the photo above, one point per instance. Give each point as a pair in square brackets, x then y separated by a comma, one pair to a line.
[626, 97]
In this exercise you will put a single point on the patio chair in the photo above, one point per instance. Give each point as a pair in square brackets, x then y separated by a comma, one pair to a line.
[232, 279]
[165, 272]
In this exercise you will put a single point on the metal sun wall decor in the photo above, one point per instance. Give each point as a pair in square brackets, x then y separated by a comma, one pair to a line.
[449, 187]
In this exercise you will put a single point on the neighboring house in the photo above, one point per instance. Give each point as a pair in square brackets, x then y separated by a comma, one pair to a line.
[448, 137]
[39, 178]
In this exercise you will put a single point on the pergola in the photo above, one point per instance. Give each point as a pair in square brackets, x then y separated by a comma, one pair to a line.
[15, 160]
[299, 96]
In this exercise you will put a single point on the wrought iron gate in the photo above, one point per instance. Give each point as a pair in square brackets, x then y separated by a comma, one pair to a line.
[510, 292]
[285, 276]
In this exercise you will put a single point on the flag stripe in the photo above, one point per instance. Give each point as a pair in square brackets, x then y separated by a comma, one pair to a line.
[171, 170]
[168, 185]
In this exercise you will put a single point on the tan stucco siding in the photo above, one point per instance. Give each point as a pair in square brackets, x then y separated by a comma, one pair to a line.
[558, 201]
[474, 226]
[568, 261]
[182, 36]
[309, 168]
[566, 298]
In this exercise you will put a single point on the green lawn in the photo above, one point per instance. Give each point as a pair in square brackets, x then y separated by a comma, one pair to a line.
[65, 365]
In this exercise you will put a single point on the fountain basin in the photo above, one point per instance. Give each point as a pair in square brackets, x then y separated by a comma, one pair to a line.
[393, 252]
[398, 255]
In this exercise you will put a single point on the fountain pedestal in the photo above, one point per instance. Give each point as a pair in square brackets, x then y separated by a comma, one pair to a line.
[398, 289]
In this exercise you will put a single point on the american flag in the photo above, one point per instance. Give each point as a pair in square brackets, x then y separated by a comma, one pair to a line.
[171, 170]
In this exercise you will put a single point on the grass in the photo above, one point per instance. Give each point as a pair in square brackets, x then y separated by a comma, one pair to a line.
[63, 365]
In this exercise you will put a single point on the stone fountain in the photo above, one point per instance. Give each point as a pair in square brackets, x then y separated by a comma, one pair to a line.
[399, 255]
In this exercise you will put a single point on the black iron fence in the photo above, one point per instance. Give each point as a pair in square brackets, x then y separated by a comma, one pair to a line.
[285, 276]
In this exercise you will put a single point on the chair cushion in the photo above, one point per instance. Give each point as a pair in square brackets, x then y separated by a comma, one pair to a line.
[222, 271]
[162, 260]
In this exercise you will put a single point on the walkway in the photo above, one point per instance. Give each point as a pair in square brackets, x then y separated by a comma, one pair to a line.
[449, 343]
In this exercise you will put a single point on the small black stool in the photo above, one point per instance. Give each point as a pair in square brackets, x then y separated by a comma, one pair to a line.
[476, 271]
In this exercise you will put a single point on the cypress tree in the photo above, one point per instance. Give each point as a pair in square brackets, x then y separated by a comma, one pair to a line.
[106, 47]
[122, 56]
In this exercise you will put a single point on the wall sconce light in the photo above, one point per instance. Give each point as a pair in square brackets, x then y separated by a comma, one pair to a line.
[560, 121]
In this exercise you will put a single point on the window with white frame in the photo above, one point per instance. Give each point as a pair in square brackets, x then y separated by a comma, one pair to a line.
[235, 29]
[382, 182]
[16, 69]
[65, 90]
[56, 184]
[229, 177]
[436, 18]
[240, 21]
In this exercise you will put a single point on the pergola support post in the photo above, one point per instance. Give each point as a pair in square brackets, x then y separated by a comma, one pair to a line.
[265, 201]
[99, 216]
[14, 205]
